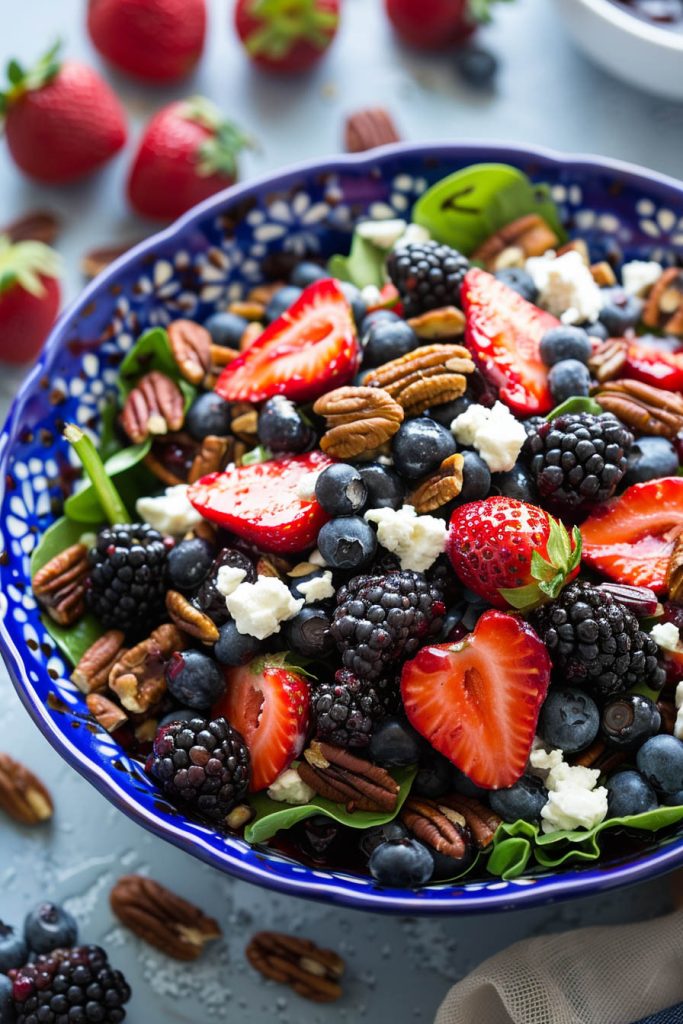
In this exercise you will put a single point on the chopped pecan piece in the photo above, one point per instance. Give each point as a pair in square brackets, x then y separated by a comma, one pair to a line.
[170, 457]
[22, 795]
[481, 820]
[162, 919]
[244, 423]
[530, 233]
[439, 827]
[339, 776]
[138, 677]
[263, 293]
[253, 331]
[664, 305]
[59, 587]
[598, 755]
[367, 129]
[576, 245]
[609, 359]
[437, 324]
[38, 226]
[603, 274]
[213, 455]
[643, 408]
[428, 376]
[312, 972]
[191, 347]
[190, 619]
[674, 577]
[358, 420]
[248, 309]
[109, 715]
[94, 261]
[439, 488]
[154, 406]
[92, 671]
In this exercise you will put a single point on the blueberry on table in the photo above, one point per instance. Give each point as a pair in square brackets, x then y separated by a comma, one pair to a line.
[194, 679]
[340, 490]
[569, 719]
[308, 632]
[13, 948]
[620, 311]
[306, 273]
[384, 486]
[519, 281]
[476, 65]
[347, 543]
[188, 563]
[649, 459]
[629, 720]
[660, 761]
[280, 302]
[371, 838]
[568, 379]
[401, 864]
[386, 340]
[235, 648]
[521, 802]
[565, 342]
[281, 428]
[226, 329]
[629, 793]
[208, 414]
[395, 744]
[476, 478]
[420, 446]
[49, 927]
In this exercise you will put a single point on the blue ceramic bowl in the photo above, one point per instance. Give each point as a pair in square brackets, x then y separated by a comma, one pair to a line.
[203, 261]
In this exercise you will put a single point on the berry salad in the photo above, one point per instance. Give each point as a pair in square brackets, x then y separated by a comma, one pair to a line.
[383, 564]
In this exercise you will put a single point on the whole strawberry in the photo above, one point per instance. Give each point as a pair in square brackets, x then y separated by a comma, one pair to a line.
[512, 554]
[156, 40]
[29, 298]
[288, 36]
[437, 24]
[62, 121]
[187, 152]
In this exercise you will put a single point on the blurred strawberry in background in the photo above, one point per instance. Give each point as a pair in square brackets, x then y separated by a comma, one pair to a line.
[187, 152]
[437, 24]
[155, 40]
[62, 120]
[288, 36]
[29, 297]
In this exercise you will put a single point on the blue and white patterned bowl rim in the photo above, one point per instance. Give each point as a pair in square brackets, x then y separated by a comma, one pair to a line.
[291, 210]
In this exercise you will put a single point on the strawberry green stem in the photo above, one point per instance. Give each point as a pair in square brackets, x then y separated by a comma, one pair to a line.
[218, 155]
[108, 496]
[25, 263]
[283, 23]
[479, 11]
[22, 80]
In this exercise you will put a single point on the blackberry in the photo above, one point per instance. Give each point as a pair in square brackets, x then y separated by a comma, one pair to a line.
[347, 710]
[427, 275]
[381, 619]
[203, 764]
[579, 459]
[596, 641]
[70, 986]
[126, 584]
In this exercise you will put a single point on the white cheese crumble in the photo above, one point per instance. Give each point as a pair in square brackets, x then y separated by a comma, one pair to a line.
[169, 513]
[678, 699]
[290, 788]
[574, 798]
[371, 295]
[315, 558]
[417, 541]
[638, 276]
[382, 233]
[259, 608]
[413, 233]
[495, 433]
[666, 635]
[317, 589]
[305, 489]
[566, 287]
[228, 579]
[543, 760]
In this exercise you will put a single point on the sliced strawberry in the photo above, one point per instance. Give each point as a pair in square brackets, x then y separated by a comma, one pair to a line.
[262, 503]
[503, 333]
[659, 363]
[477, 701]
[309, 350]
[268, 704]
[630, 538]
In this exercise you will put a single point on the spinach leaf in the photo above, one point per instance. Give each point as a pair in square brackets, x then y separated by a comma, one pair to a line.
[60, 535]
[576, 404]
[152, 351]
[364, 265]
[84, 506]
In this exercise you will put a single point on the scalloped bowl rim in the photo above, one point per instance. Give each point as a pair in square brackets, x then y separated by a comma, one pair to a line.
[517, 894]
[632, 25]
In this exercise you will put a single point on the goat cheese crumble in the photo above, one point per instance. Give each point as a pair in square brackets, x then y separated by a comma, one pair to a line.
[259, 608]
[170, 512]
[638, 276]
[290, 788]
[317, 589]
[566, 287]
[495, 433]
[228, 579]
[666, 635]
[574, 798]
[417, 541]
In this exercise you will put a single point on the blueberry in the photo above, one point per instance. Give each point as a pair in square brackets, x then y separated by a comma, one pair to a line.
[649, 459]
[451, 867]
[308, 632]
[341, 490]
[516, 483]
[629, 793]
[434, 777]
[194, 679]
[520, 281]
[280, 302]
[628, 720]
[371, 838]
[560, 343]
[316, 836]
[7, 1004]
[567, 379]
[476, 65]
[235, 648]
[569, 719]
[476, 478]
[394, 743]
[446, 413]
[620, 311]
[401, 864]
[386, 340]
[347, 543]
[49, 927]
[359, 306]
[674, 799]
[179, 715]
[420, 446]
[226, 329]
[296, 582]
[188, 563]
[208, 414]
[463, 784]
[660, 760]
[13, 949]
[596, 330]
[281, 428]
[384, 486]
[378, 316]
[306, 273]
[521, 802]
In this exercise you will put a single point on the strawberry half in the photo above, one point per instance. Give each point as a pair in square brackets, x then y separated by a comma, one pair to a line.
[630, 538]
[659, 363]
[262, 503]
[503, 333]
[477, 701]
[268, 704]
[310, 349]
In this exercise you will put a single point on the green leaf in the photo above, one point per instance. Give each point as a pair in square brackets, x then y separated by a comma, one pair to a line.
[272, 816]
[509, 858]
[26, 264]
[107, 495]
[559, 546]
[256, 456]
[152, 351]
[576, 404]
[521, 598]
[466, 208]
[108, 441]
[365, 264]
[84, 506]
[60, 535]
[541, 569]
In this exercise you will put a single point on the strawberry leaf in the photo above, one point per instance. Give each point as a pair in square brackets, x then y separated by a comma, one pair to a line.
[284, 23]
[24, 264]
[22, 80]
[522, 599]
[479, 11]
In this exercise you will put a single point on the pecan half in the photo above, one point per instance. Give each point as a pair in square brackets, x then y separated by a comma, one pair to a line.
[345, 779]
[162, 919]
[138, 677]
[213, 455]
[609, 359]
[94, 261]
[190, 619]
[481, 820]
[154, 406]
[367, 129]
[674, 576]
[92, 671]
[437, 324]
[664, 306]
[643, 408]
[59, 587]
[191, 347]
[358, 420]
[109, 715]
[439, 827]
[248, 309]
[312, 972]
[38, 226]
[263, 293]
[244, 423]
[428, 376]
[22, 795]
[439, 488]
[530, 233]
[598, 755]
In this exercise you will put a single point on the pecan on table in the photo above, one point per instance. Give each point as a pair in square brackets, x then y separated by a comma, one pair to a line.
[138, 677]
[439, 488]
[92, 671]
[154, 406]
[339, 776]
[59, 587]
[367, 129]
[312, 972]
[38, 226]
[428, 376]
[358, 420]
[481, 820]
[191, 348]
[94, 261]
[641, 407]
[162, 919]
[22, 795]
[438, 826]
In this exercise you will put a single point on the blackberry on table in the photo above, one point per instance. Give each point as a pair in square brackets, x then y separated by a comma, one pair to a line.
[381, 619]
[126, 584]
[347, 710]
[595, 640]
[203, 764]
[428, 275]
[70, 986]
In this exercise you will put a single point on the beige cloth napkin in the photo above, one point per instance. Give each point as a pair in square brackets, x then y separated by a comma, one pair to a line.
[606, 975]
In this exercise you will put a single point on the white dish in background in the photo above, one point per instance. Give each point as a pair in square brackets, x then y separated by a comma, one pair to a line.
[639, 52]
